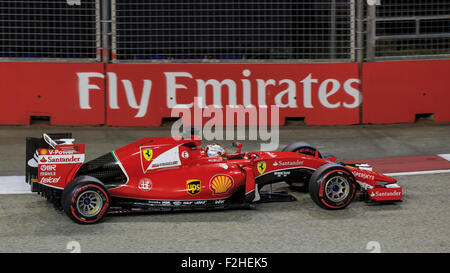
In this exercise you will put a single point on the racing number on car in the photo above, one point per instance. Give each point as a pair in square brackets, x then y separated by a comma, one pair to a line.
[261, 166]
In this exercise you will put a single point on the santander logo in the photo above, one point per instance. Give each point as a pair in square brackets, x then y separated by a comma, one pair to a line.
[302, 91]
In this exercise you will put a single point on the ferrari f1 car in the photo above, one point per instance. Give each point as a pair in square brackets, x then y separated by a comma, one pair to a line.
[176, 173]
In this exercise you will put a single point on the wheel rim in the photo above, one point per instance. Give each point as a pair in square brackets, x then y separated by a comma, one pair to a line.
[337, 188]
[89, 203]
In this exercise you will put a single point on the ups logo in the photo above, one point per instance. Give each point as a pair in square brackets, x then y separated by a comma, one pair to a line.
[193, 186]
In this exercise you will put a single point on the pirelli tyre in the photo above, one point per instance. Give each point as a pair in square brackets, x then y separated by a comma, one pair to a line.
[85, 200]
[301, 147]
[332, 186]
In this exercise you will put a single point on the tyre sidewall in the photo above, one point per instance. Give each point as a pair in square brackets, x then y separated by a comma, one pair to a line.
[69, 202]
[318, 183]
[306, 150]
[302, 148]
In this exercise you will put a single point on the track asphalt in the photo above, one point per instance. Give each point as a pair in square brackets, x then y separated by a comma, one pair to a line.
[419, 224]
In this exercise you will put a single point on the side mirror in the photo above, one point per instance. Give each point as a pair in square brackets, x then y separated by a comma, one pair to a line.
[238, 146]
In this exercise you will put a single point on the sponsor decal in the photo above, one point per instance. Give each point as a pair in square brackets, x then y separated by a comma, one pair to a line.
[362, 175]
[218, 202]
[48, 167]
[49, 180]
[307, 85]
[287, 163]
[64, 151]
[193, 186]
[145, 184]
[154, 203]
[385, 194]
[261, 167]
[61, 159]
[47, 173]
[220, 184]
[282, 173]
[164, 164]
[271, 154]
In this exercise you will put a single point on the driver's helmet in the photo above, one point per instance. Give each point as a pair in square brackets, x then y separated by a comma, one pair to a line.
[214, 150]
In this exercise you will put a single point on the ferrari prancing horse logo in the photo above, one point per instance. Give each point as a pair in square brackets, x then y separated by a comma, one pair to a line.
[148, 154]
[261, 166]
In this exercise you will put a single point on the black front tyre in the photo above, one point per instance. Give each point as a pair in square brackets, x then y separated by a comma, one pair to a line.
[302, 148]
[86, 201]
[332, 186]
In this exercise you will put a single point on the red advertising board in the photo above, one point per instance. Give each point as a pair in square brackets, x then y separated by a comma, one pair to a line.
[395, 92]
[143, 94]
[58, 90]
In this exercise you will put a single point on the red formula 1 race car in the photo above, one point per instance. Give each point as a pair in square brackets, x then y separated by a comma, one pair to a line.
[174, 173]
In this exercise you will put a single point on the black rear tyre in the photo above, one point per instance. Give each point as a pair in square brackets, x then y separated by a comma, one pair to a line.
[332, 186]
[86, 200]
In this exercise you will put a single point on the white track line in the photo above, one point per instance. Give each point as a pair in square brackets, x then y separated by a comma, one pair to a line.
[17, 185]
[445, 156]
[13, 185]
[417, 173]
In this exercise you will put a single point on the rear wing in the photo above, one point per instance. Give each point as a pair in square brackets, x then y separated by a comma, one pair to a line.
[33, 144]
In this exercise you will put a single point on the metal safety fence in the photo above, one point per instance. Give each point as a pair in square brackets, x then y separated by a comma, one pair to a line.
[223, 30]
[232, 30]
[399, 29]
[49, 29]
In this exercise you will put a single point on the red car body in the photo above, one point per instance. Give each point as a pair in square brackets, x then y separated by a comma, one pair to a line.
[168, 173]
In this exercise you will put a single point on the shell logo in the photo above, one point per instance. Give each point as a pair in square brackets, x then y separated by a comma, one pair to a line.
[221, 184]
